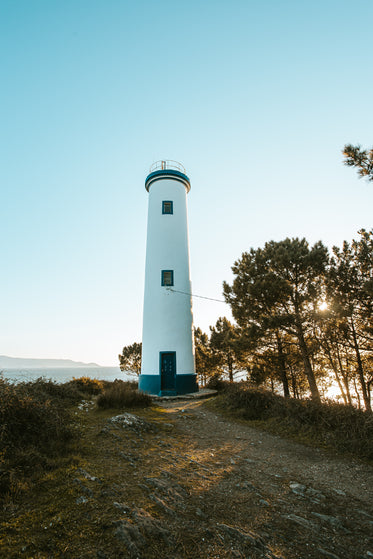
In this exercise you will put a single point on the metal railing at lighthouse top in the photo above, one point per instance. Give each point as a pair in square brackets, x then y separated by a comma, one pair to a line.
[167, 164]
[167, 168]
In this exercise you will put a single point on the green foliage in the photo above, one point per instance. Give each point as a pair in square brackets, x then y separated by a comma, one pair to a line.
[275, 291]
[86, 385]
[130, 358]
[341, 427]
[349, 288]
[359, 158]
[205, 358]
[226, 347]
[122, 394]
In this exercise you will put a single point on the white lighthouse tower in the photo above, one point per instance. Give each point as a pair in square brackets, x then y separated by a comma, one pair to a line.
[167, 340]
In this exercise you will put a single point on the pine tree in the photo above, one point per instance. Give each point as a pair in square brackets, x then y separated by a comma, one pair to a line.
[359, 158]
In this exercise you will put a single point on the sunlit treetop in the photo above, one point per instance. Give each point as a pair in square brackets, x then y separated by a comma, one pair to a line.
[362, 159]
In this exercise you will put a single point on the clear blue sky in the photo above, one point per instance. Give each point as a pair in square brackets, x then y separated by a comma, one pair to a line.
[256, 99]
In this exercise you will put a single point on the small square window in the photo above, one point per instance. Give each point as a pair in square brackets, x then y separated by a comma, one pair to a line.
[167, 207]
[167, 277]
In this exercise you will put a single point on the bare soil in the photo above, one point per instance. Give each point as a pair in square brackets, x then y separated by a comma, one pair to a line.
[179, 480]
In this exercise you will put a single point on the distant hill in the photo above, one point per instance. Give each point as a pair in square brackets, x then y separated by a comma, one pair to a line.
[24, 363]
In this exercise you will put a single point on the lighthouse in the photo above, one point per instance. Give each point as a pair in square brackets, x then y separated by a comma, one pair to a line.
[167, 366]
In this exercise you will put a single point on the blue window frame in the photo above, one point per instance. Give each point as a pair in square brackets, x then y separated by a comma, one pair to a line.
[167, 207]
[167, 278]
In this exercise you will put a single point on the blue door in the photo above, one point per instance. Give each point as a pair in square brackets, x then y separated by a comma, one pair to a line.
[168, 371]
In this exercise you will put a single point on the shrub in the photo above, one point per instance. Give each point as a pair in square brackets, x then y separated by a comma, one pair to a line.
[48, 389]
[34, 428]
[216, 383]
[122, 394]
[87, 385]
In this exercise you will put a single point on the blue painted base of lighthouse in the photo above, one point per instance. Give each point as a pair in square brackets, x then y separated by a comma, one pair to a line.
[185, 384]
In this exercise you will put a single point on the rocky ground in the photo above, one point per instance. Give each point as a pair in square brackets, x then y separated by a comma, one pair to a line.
[180, 481]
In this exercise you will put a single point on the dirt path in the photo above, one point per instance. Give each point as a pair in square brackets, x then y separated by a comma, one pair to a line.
[300, 501]
[180, 481]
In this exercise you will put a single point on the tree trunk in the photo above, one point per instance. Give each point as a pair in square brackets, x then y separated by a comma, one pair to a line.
[366, 395]
[357, 395]
[294, 383]
[282, 366]
[230, 367]
[335, 371]
[344, 377]
[315, 395]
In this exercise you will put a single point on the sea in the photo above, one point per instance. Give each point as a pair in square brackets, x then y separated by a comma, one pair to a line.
[61, 375]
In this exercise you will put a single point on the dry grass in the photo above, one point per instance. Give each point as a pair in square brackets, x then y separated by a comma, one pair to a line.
[121, 395]
[344, 428]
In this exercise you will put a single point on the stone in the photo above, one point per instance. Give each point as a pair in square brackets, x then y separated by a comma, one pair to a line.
[339, 492]
[87, 475]
[200, 513]
[332, 520]
[122, 507]
[248, 485]
[297, 488]
[129, 421]
[303, 491]
[81, 500]
[327, 553]
[315, 495]
[161, 503]
[131, 536]
[300, 520]
[83, 488]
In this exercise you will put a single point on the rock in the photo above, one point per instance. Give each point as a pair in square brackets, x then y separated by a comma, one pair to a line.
[161, 503]
[327, 553]
[300, 520]
[131, 536]
[263, 502]
[315, 495]
[83, 488]
[81, 500]
[248, 485]
[129, 421]
[239, 534]
[200, 513]
[339, 492]
[297, 488]
[303, 491]
[332, 520]
[87, 475]
[122, 507]
[134, 533]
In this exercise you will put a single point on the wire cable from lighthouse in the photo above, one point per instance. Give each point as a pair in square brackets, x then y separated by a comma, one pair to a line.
[193, 295]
